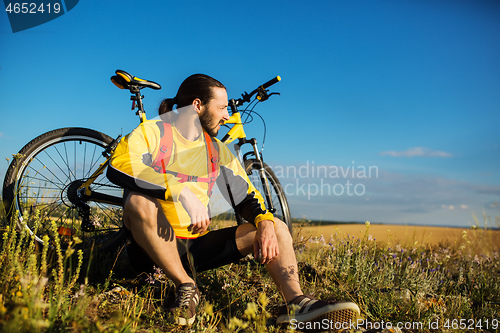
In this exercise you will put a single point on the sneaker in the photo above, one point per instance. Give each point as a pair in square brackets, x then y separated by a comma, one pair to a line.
[183, 310]
[307, 309]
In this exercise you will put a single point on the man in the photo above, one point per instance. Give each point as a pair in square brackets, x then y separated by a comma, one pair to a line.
[169, 178]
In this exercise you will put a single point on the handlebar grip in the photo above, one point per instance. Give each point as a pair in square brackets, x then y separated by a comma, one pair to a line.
[271, 82]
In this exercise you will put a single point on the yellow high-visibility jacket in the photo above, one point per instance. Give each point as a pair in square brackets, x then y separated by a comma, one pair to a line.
[131, 168]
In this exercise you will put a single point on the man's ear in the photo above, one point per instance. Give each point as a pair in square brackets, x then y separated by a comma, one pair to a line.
[197, 105]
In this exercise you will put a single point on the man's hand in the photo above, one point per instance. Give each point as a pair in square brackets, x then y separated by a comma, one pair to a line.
[196, 210]
[266, 242]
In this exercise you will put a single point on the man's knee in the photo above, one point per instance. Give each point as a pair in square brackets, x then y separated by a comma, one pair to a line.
[140, 208]
[144, 214]
[245, 236]
[282, 231]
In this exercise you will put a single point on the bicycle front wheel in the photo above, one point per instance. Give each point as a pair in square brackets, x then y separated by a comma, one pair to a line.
[277, 194]
[41, 189]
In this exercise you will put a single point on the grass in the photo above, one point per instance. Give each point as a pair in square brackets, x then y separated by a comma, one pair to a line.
[44, 289]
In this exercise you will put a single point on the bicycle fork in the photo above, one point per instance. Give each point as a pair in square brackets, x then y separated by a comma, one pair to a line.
[262, 172]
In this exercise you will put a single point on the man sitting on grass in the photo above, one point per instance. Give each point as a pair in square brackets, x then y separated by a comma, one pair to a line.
[169, 185]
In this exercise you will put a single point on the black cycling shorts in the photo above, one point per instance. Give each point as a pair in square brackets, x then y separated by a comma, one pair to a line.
[215, 249]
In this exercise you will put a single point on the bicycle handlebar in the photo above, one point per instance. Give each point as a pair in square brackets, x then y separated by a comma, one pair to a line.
[271, 82]
[245, 97]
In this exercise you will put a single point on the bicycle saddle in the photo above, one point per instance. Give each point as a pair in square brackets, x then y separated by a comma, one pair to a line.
[124, 80]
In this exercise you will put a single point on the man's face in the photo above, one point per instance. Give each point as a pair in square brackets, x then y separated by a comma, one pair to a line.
[213, 114]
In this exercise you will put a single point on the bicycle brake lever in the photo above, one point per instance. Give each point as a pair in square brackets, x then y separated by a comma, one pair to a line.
[262, 94]
[264, 97]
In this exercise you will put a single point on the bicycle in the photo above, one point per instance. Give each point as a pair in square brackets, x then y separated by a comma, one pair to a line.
[57, 181]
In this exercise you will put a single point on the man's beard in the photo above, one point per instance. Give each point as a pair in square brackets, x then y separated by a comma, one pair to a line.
[206, 119]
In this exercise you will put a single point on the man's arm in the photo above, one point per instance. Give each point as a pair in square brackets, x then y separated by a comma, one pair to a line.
[200, 220]
[250, 205]
[248, 202]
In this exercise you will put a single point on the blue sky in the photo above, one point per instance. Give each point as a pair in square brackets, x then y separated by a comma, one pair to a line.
[409, 88]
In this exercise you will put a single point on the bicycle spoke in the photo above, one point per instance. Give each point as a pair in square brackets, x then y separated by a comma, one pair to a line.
[74, 159]
[44, 179]
[39, 173]
[57, 165]
[84, 158]
[66, 161]
[54, 205]
[103, 210]
[38, 205]
[40, 186]
[94, 163]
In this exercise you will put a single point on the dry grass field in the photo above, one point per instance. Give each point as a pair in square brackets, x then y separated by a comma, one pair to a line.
[408, 235]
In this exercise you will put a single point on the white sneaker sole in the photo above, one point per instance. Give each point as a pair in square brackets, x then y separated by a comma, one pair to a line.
[183, 321]
[339, 312]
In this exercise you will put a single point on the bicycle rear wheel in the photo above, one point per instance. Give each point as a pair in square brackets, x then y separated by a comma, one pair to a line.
[277, 194]
[40, 189]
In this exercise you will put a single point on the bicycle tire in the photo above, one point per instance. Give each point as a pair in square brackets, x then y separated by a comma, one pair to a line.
[252, 167]
[40, 187]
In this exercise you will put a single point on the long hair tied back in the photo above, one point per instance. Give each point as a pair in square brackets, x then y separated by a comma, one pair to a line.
[195, 86]
[167, 105]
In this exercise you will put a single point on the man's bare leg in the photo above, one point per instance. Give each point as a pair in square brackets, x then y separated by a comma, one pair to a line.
[143, 216]
[283, 268]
